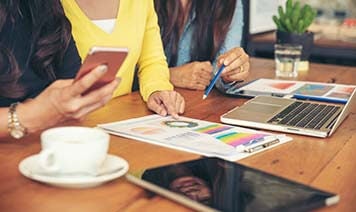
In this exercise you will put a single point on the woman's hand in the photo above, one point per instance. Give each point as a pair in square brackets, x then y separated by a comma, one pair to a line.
[166, 103]
[194, 75]
[66, 100]
[236, 63]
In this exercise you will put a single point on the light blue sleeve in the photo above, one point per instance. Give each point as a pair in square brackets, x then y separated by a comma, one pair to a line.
[233, 39]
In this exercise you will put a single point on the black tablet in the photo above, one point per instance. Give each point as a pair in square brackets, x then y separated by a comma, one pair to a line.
[212, 184]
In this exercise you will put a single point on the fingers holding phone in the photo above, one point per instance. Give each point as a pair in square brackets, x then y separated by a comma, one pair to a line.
[98, 96]
[96, 79]
[76, 101]
[82, 84]
[65, 100]
[93, 99]
[92, 88]
[110, 57]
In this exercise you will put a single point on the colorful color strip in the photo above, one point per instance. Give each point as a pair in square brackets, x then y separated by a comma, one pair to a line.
[235, 138]
[211, 129]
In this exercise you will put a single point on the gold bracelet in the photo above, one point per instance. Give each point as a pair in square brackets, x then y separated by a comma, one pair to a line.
[15, 128]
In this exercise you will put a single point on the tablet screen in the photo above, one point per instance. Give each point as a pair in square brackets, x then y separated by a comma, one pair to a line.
[226, 186]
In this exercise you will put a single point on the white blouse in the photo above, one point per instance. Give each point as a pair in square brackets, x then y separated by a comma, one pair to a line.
[106, 25]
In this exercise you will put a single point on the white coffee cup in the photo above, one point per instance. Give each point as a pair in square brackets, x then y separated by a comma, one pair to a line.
[72, 150]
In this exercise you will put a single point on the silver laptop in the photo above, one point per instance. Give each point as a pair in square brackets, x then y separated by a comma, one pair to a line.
[290, 115]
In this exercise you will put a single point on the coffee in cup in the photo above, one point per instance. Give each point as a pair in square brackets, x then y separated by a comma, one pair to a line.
[72, 150]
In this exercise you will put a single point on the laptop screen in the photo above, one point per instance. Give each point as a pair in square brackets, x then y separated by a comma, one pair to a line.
[228, 186]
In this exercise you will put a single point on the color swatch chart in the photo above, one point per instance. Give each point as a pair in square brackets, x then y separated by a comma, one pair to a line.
[230, 135]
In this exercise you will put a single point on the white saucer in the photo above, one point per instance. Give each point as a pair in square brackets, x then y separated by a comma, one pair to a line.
[112, 162]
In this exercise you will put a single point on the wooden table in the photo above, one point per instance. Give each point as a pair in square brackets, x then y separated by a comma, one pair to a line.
[327, 164]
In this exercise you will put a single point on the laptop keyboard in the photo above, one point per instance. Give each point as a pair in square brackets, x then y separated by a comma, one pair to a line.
[305, 115]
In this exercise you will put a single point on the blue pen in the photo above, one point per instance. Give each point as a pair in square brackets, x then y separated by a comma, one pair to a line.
[319, 98]
[213, 81]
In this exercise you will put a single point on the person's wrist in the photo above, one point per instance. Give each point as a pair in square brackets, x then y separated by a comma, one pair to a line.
[177, 77]
[27, 116]
[173, 76]
[151, 94]
[35, 116]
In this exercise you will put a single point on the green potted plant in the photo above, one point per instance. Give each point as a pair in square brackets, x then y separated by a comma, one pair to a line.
[292, 27]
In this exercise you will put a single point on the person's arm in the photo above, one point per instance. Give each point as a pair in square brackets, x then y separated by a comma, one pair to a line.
[153, 68]
[30, 114]
[153, 72]
[233, 39]
[3, 122]
[63, 100]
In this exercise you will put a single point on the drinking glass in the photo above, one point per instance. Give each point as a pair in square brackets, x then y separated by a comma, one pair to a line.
[287, 57]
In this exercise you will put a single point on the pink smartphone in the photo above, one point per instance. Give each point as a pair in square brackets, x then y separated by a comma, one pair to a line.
[113, 57]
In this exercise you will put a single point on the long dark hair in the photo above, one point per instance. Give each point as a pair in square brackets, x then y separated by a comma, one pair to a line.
[51, 33]
[213, 19]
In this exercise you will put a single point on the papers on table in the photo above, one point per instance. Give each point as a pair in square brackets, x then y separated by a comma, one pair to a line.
[326, 92]
[196, 136]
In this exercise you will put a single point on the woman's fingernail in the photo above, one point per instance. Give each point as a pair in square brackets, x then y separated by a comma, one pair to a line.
[163, 113]
[175, 116]
[118, 79]
[102, 68]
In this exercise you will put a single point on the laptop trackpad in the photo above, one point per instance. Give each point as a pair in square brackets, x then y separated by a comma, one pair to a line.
[261, 109]
[257, 107]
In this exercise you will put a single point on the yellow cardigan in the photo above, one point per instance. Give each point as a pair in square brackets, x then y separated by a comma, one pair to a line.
[137, 29]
